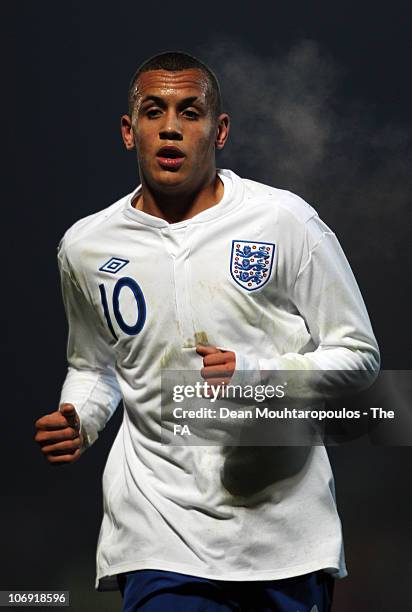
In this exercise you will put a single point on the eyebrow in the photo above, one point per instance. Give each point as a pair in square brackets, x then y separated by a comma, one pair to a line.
[182, 103]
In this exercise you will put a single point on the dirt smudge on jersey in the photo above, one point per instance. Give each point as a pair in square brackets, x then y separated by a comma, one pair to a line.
[170, 356]
[201, 338]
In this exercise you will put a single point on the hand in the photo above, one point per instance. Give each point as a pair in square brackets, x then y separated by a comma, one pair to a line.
[58, 434]
[218, 365]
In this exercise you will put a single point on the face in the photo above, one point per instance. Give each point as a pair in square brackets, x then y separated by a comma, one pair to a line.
[174, 130]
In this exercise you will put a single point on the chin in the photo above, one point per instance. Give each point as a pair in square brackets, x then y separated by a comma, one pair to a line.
[168, 180]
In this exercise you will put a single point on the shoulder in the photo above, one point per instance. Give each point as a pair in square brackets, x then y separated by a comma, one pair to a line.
[93, 223]
[286, 204]
[87, 230]
[293, 218]
[272, 202]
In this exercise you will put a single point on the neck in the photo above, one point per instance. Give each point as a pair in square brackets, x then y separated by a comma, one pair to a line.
[179, 207]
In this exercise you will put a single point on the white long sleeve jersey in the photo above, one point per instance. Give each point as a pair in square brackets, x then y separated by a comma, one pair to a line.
[139, 294]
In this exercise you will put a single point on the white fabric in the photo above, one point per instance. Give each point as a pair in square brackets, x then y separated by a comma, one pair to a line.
[165, 506]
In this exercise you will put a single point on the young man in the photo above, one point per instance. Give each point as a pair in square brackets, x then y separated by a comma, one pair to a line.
[161, 279]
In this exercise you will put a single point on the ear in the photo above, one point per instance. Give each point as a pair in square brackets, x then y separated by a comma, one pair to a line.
[127, 132]
[223, 126]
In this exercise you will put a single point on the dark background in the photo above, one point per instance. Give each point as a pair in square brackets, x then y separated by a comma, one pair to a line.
[320, 96]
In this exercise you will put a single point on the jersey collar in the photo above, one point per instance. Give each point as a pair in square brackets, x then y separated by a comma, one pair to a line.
[232, 197]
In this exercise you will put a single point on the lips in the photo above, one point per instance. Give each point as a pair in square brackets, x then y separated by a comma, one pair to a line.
[170, 157]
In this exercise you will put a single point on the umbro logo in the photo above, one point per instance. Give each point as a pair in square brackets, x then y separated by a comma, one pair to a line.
[114, 265]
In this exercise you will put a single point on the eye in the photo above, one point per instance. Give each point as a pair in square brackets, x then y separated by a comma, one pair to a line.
[191, 114]
[152, 113]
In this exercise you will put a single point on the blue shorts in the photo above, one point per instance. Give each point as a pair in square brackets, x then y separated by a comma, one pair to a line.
[160, 591]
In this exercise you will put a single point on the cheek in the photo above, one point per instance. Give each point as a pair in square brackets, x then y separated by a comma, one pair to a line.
[145, 136]
[145, 144]
[204, 140]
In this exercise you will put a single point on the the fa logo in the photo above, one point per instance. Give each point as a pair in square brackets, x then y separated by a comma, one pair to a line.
[251, 263]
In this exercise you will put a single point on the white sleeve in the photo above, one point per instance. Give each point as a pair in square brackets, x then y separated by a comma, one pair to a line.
[91, 384]
[326, 295]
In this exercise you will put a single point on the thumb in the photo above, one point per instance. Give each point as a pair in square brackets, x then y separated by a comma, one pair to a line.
[203, 350]
[70, 414]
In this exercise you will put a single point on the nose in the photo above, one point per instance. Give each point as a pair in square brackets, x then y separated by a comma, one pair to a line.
[171, 128]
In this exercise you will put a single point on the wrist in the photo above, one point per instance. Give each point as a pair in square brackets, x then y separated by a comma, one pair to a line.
[247, 370]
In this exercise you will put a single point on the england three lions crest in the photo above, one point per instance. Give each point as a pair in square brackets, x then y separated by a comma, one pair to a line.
[251, 263]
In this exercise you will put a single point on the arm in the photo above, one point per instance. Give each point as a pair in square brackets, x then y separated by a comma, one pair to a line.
[327, 296]
[343, 358]
[324, 292]
[90, 384]
[90, 392]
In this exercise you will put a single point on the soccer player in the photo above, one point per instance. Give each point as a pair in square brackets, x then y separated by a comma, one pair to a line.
[199, 269]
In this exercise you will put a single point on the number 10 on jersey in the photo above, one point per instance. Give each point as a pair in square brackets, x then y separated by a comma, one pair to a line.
[130, 330]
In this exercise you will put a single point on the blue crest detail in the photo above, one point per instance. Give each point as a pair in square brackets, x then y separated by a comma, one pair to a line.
[114, 265]
[251, 263]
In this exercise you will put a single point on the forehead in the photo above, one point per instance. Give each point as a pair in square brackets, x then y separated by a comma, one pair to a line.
[165, 82]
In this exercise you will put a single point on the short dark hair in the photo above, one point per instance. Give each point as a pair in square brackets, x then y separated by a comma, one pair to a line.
[176, 61]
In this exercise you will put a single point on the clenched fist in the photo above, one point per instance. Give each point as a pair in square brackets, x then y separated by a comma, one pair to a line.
[59, 436]
[218, 365]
